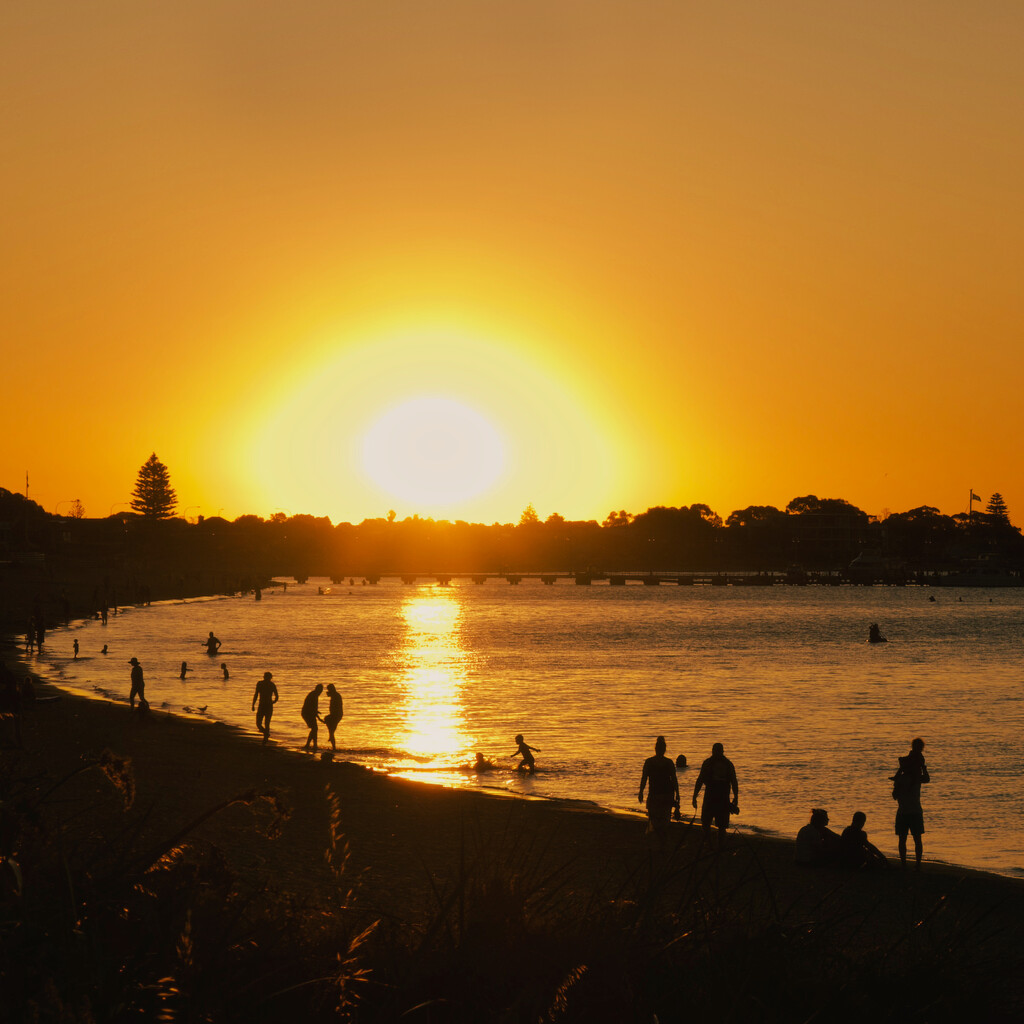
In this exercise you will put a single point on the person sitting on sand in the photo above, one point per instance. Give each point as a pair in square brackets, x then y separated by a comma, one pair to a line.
[266, 696]
[335, 712]
[528, 763]
[212, 644]
[856, 851]
[138, 685]
[311, 714]
[816, 844]
[663, 792]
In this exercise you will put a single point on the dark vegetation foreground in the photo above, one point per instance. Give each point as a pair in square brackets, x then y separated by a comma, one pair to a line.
[176, 870]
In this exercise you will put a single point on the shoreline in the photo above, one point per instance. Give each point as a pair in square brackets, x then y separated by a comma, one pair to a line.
[410, 852]
[13, 655]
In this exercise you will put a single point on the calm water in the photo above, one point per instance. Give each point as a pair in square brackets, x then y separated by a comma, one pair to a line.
[810, 713]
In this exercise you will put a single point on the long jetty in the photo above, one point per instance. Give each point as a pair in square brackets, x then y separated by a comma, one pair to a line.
[696, 579]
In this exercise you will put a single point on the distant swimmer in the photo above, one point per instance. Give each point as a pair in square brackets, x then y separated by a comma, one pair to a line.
[263, 700]
[184, 670]
[224, 669]
[524, 750]
[104, 651]
[335, 712]
[311, 714]
[875, 634]
[138, 685]
[482, 764]
[212, 644]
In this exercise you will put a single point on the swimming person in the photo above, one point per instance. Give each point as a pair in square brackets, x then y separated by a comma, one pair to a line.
[266, 696]
[525, 751]
[224, 669]
[184, 669]
[212, 644]
[906, 791]
[482, 764]
[718, 777]
[875, 634]
[138, 685]
[104, 651]
[311, 713]
[663, 792]
[335, 712]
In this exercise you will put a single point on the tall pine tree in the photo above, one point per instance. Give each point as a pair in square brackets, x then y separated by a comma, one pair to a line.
[153, 496]
[997, 507]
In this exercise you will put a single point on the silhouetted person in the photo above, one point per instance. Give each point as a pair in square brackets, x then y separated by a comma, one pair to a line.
[335, 712]
[816, 844]
[224, 669]
[482, 764]
[681, 763]
[75, 645]
[311, 714]
[104, 651]
[263, 700]
[659, 775]
[138, 685]
[30, 636]
[184, 669]
[855, 850]
[526, 752]
[718, 777]
[906, 791]
[212, 644]
[875, 634]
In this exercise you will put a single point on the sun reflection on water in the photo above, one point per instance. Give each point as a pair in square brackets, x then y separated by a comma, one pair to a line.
[434, 670]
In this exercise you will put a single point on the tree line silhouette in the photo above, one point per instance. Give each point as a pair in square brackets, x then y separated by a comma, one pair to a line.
[810, 534]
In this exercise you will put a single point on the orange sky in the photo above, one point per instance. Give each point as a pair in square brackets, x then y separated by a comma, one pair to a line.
[674, 252]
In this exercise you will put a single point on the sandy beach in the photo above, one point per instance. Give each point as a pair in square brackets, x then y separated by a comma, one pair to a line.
[409, 843]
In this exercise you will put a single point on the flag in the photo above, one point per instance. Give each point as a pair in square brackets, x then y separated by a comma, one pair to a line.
[974, 497]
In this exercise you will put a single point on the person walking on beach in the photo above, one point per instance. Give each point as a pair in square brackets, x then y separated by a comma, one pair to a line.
[906, 791]
[335, 712]
[263, 700]
[212, 644]
[138, 685]
[718, 777]
[659, 776]
[311, 713]
[524, 750]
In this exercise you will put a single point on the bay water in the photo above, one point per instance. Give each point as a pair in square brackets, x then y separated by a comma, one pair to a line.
[809, 712]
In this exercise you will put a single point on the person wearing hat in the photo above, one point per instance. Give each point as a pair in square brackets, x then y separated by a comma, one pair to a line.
[138, 685]
[263, 701]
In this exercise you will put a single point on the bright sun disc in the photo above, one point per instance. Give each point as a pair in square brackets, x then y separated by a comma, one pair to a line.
[433, 450]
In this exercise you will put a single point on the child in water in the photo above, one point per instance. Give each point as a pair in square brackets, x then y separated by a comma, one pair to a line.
[528, 764]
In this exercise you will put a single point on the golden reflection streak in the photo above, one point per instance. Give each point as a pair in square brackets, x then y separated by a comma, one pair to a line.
[434, 676]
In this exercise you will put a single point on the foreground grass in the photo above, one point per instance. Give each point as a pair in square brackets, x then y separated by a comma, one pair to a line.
[105, 927]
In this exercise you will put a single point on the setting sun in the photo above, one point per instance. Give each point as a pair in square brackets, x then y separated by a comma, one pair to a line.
[433, 450]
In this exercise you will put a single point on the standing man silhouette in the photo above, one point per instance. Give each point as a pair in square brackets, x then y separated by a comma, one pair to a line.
[718, 777]
[138, 685]
[906, 791]
[265, 696]
[663, 792]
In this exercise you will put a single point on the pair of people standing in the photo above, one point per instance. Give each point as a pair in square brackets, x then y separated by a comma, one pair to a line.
[717, 778]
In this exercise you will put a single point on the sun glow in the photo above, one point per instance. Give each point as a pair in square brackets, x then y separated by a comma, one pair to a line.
[433, 451]
[434, 421]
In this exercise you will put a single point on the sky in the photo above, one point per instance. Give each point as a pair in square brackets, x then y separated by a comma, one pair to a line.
[456, 257]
